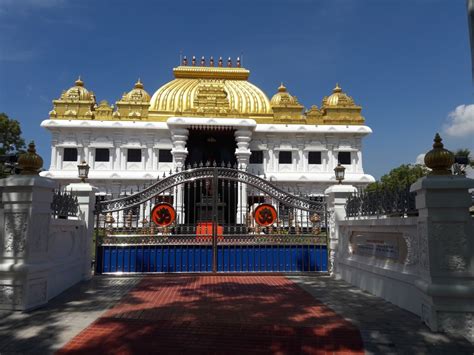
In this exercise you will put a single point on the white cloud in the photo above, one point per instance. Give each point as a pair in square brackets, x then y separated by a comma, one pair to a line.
[460, 122]
[420, 159]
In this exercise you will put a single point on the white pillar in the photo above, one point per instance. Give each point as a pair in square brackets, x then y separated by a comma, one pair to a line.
[85, 194]
[446, 242]
[25, 221]
[179, 137]
[336, 200]
[242, 153]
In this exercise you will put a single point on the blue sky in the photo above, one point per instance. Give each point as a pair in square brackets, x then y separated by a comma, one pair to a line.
[406, 62]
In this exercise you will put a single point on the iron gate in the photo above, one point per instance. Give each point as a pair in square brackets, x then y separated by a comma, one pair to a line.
[211, 219]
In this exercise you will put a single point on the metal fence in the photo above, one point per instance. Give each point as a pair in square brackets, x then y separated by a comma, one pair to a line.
[64, 205]
[384, 202]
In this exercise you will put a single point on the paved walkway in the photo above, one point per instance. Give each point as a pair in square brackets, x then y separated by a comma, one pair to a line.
[219, 314]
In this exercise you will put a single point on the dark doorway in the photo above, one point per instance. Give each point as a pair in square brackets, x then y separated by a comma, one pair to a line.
[211, 146]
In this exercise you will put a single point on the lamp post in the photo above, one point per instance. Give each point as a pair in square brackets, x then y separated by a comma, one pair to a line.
[339, 170]
[83, 170]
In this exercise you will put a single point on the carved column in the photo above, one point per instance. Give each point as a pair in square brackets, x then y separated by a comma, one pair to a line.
[242, 153]
[446, 253]
[179, 137]
[25, 221]
[117, 163]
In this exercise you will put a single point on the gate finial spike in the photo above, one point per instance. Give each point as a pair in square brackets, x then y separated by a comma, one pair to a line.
[195, 165]
[214, 164]
[235, 166]
[176, 169]
[208, 163]
[201, 164]
[229, 165]
[258, 172]
[171, 172]
[189, 166]
[222, 164]
[164, 175]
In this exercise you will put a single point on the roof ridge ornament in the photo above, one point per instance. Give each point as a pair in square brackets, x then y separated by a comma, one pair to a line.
[337, 88]
[79, 82]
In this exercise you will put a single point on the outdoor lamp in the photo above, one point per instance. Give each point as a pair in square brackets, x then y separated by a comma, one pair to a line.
[83, 170]
[339, 170]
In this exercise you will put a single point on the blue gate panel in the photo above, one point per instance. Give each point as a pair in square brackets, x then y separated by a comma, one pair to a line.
[178, 256]
[294, 256]
[209, 259]
[113, 259]
[287, 258]
[220, 258]
[106, 258]
[120, 259]
[230, 258]
[324, 258]
[251, 258]
[238, 258]
[146, 259]
[226, 257]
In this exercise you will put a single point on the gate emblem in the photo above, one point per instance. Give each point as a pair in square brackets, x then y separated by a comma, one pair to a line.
[265, 215]
[163, 214]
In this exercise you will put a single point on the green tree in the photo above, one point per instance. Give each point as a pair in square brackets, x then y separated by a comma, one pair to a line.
[404, 175]
[11, 142]
[464, 152]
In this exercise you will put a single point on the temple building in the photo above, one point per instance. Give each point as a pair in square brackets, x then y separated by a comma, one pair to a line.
[207, 113]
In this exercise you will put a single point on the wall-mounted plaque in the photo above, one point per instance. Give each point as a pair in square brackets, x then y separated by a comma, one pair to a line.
[381, 245]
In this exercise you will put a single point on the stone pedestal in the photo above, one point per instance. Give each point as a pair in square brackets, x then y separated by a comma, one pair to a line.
[25, 218]
[336, 200]
[85, 194]
[446, 251]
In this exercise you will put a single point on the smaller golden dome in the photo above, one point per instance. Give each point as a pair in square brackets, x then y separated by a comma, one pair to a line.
[338, 98]
[78, 92]
[439, 160]
[137, 94]
[30, 163]
[283, 98]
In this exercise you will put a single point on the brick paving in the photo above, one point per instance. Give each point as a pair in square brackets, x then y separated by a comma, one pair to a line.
[221, 314]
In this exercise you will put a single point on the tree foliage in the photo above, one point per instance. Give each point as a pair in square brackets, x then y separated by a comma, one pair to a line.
[11, 142]
[464, 152]
[10, 135]
[404, 175]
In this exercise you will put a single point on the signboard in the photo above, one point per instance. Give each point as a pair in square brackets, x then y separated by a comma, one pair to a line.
[380, 245]
[163, 214]
[265, 215]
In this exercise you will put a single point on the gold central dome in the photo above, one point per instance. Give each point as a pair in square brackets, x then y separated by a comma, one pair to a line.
[210, 91]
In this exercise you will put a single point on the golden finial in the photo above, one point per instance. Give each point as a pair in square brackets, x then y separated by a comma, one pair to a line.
[30, 163]
[79, 82]
[211, 61]
[139, 84]
[438, 159]
[282, 88]
[337, 88]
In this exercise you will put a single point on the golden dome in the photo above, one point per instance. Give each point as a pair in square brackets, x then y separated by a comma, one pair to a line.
[338, 98]
[137, 94]
[210, 91]
[283, 97]
[78, 92]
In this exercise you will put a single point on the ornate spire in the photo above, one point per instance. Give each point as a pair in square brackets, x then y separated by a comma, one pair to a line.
[438, 159]
[337, 88]
[138, 84]
[282, 88]
[30, 163]
[79, 82]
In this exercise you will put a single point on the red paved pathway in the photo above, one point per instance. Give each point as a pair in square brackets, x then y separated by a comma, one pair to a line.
[218, 315]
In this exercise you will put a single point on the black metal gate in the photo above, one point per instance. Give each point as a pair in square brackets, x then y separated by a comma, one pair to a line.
[211, 219]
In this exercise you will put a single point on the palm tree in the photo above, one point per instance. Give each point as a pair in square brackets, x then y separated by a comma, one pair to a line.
[465, 153]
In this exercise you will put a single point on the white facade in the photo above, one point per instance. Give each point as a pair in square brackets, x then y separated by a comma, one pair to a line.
[118, 137]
